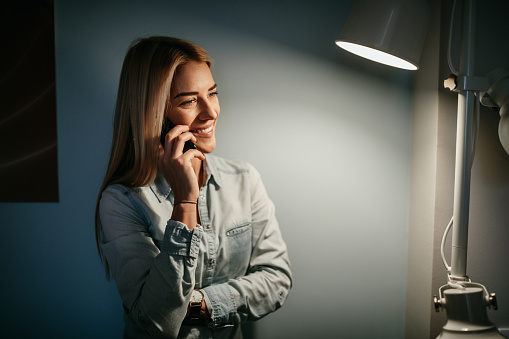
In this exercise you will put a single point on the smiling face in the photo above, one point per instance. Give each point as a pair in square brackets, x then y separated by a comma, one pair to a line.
[194, 102]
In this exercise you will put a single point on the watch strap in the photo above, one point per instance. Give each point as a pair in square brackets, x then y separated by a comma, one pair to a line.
[196, 313]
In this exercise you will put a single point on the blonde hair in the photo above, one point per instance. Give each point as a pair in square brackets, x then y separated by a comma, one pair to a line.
[143, 95]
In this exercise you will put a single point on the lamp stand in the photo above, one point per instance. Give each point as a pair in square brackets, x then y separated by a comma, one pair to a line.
[466, 315]
[465, 302]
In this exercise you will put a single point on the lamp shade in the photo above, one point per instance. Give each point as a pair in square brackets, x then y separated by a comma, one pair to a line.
[390, 32]
[498, 96]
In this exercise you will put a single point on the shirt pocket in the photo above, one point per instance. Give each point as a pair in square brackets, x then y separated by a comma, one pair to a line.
[238, 247]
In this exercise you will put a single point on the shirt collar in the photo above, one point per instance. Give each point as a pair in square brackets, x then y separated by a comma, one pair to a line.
[162, 190]
[160, 187]
[211, 172]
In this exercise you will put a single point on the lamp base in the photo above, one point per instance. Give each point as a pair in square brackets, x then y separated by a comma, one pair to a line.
[466, 315]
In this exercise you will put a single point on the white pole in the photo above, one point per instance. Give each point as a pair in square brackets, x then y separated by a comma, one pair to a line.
[464, 145]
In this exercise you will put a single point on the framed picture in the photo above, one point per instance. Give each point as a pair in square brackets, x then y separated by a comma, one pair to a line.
[28, 120]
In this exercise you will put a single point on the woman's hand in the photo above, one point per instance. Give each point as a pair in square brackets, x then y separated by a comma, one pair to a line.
[181, 171]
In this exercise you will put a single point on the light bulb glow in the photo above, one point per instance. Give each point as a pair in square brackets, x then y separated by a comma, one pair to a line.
[376, 55]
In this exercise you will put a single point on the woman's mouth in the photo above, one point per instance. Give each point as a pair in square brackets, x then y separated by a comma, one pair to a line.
[203, 131]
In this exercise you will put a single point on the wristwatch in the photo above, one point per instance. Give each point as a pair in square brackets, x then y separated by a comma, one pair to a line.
[195, 309]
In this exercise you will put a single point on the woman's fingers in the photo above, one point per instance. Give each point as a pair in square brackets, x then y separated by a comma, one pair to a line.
[176, 138]
[179, 142]
[172, 134]
[176, 166]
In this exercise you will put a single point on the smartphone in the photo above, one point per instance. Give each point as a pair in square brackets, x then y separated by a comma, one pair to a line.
[167, 126]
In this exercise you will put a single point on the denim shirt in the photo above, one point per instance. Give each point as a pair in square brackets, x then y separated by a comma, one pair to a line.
[236, 256]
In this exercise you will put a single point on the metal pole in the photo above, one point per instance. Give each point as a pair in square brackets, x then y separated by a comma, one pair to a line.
[464, 145]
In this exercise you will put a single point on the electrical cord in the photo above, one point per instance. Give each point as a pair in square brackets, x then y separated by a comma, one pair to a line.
[444, 260]
[449, 58]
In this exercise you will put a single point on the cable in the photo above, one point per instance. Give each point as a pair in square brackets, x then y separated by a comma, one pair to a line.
[449, 60]
[444, 260]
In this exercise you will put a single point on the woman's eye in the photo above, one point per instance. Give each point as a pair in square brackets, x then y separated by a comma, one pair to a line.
[213, 94]
[188, 103]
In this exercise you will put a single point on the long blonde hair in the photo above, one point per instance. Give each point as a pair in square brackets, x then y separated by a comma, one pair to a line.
[143, 95]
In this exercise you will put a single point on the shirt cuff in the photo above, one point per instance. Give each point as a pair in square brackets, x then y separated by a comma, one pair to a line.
[207, 303]
[180, 240]
[221, 305]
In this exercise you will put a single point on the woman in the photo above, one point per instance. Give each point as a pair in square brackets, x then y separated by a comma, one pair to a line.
[191, 239]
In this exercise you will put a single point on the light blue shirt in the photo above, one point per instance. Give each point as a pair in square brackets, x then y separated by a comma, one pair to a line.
[237, 256]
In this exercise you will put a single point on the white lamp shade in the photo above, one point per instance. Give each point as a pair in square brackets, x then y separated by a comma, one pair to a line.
[391, 32]
[498, 96]
[499, 93]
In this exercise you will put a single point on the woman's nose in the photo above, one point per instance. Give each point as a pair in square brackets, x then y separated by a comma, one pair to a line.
[209, 110]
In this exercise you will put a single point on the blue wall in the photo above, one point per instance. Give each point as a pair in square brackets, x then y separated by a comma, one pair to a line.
[329, 132]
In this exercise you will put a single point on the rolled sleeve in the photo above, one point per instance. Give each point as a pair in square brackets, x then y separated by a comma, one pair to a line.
[222, 305]
[179, 240]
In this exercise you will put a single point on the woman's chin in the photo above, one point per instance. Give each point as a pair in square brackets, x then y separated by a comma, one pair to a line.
[206, 148]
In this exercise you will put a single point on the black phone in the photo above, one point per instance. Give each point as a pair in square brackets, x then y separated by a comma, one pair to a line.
[167, 126]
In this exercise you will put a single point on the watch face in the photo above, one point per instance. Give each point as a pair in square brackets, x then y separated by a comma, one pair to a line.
[196, 297]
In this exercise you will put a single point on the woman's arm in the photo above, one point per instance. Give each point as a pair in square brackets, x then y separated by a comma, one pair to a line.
[268, 280]
[155, 285]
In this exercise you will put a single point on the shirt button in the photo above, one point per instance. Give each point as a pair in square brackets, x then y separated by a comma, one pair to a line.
[212, 261]
[227, 233]
[208, 226]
